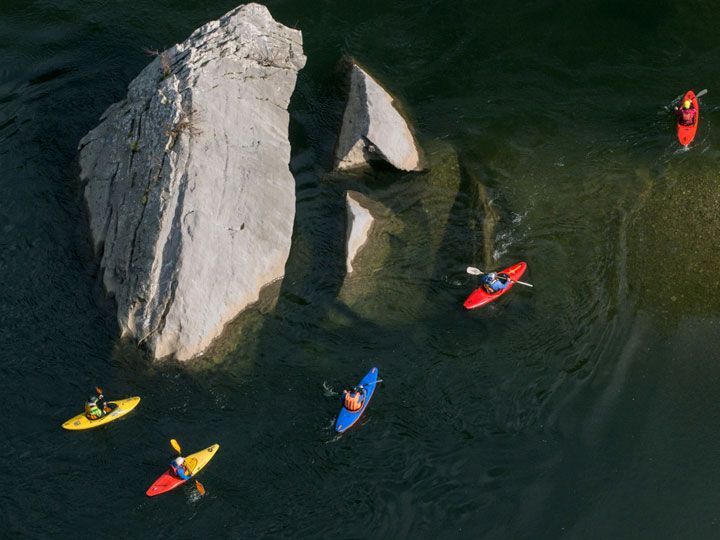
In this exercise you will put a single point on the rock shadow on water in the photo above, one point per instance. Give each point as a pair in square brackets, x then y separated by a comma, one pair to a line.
[394, 269]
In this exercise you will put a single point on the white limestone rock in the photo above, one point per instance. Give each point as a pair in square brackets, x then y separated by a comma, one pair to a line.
[373, 129]
[190, 196]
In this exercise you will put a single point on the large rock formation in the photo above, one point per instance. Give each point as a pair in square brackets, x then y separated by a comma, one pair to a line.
[373, 129]
[190, 197]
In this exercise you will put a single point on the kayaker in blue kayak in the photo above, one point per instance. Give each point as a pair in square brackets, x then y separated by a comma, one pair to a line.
[92, 408]
[686, 114]
[353, 399]
[493, 282]
[178, 467]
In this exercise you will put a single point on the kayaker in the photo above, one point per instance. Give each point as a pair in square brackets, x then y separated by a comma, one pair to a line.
[354, 399]
[493, 282]
[92, 409]
[686, 114]
[178, 467]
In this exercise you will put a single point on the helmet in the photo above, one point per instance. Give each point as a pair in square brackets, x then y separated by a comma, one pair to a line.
[179, 460]
[492, 275]
[92, 399]
[686, 104]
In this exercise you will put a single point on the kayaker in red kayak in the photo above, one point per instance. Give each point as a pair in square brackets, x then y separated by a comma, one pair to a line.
[178, 467]
[493, 282]
[686, 114]
[354, 399]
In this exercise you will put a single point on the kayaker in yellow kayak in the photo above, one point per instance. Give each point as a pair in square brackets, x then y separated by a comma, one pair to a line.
[92, 408]
[178, 467]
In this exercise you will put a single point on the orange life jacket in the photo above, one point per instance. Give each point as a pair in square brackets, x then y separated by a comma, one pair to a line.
[352, 401]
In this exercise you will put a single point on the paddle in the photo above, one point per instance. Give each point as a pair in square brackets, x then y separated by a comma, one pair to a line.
[677, 100]
[700, 94]
[200, 487]
[176, 446]
[371, 383]
[477, 272]
[105, 409]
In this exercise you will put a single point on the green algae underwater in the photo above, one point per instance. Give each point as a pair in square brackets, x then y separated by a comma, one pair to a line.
[585, 407]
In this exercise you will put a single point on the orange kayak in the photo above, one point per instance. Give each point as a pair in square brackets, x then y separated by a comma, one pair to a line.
[687, 133]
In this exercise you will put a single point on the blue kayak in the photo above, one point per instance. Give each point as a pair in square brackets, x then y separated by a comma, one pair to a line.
[348, 418]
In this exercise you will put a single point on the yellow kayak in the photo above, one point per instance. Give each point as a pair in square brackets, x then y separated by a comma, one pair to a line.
[194, 462]
[119, 408]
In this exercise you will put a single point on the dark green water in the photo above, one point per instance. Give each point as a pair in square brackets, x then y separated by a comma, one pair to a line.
[585, 407]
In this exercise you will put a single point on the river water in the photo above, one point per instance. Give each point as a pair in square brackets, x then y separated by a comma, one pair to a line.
[584, 407]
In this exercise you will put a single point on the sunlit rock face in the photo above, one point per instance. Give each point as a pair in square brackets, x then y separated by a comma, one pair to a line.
[190, 196]
[373, 129]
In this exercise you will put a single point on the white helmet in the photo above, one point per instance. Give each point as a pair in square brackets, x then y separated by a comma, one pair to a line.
[492, 275]
[179, 461]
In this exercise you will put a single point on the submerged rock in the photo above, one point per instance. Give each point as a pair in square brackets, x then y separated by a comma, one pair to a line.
[373, 129]
[672, 255]
[359, 224]
[190, 196]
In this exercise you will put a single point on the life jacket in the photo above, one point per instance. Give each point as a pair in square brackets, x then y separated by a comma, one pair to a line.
[688, 116]
[179, 470]
[353, 401]
[92, 411]
[489, 284]
[495, 284]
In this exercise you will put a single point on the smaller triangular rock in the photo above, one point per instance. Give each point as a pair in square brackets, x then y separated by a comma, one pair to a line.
[359, 223]
[373, 129]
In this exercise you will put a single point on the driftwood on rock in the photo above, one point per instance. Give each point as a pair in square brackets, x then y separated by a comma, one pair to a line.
[190, 196]
[373, 129]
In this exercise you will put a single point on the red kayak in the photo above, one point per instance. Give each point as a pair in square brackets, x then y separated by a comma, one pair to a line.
[480, 296]
[195, 463]
[687, 133]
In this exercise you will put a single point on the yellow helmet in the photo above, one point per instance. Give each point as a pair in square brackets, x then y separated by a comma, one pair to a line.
[687, 103]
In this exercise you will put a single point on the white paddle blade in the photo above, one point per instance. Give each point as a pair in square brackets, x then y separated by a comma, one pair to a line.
[474, 271]
[701, 93]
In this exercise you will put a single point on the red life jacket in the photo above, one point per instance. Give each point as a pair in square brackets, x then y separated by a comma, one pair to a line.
[688, 116]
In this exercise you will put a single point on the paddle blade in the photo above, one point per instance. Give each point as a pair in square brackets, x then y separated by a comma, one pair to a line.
[200, 487]
[98, 390]
[175, 445]
[474, 271]
[701, 93]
